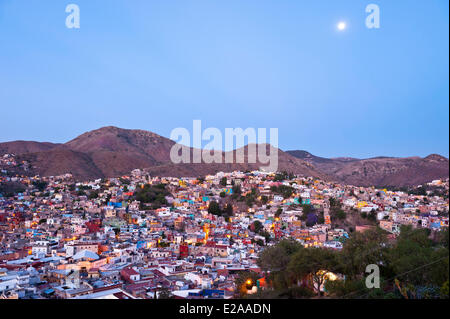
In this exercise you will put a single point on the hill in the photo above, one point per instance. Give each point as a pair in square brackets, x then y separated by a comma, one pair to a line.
[23, 147]
[380, 171]
[111, 151]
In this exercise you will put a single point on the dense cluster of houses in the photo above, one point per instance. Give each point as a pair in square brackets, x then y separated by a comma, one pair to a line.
[64, 239]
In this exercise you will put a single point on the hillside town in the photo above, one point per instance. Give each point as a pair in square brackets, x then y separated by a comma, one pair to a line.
[147, 237]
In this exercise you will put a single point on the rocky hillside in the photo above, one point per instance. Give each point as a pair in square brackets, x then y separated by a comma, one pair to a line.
[112, 151]
[380, 171]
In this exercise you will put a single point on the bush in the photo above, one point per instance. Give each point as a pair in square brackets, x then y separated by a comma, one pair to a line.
[214, 208]
[264, 199]
[341, 215]
[40, 185]
[300, 292]
[156, 195]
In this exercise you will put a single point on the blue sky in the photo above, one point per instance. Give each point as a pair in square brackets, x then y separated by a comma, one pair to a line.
[158, 65]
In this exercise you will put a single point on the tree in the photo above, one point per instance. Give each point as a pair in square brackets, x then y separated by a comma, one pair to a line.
[124, 181]
[372, 216]
[259, 242]
[306, 209]
[283, 190]
[417, 266]
[276, 259]
[332, 201]
[362, 249]
[154, 194]
[346, 288]
[311, 220]
[413, 250]
[237, 189]
[81, 193]
[93, 195]
[278, 212]
[116, 231]
[444, 290]
[164, 293]
[223, 181]
[341, 214]
[264, 199]
[314, 263]
[265, 234]
[443, 238]
[228, 210]
[249, 200]
[257, 226]
[40, 185]
[214, 208]
[283, 176]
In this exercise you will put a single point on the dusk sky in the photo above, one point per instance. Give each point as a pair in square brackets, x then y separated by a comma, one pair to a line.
[159, 65]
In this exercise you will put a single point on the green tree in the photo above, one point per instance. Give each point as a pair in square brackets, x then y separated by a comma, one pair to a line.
[362, 249]
[415, 250]
[164, 293]
[237, 189]
[372, 216]
[223, 181]
[444, 290]
[214, 208]
[93, 195]
[153, 194]
[40, 185]
[341, 214]
[228, 211]
[306, 209]
[257, 226]
[276, 259]
[264, 199]
[278, 212]
[314, 263]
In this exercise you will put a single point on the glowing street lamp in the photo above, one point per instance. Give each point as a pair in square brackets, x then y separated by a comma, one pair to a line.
[248, 284]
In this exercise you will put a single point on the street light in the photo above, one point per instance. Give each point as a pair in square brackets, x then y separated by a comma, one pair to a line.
[248, 284]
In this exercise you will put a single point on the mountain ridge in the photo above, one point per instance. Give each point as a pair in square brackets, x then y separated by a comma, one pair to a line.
[381, 170]
[112, 151]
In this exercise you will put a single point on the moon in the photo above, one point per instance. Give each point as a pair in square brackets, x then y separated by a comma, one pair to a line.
[341, 26]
